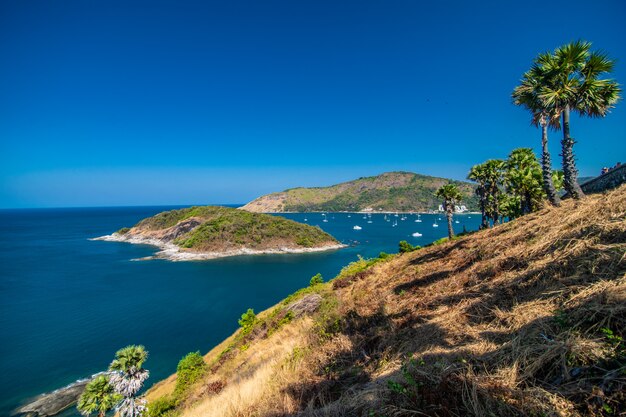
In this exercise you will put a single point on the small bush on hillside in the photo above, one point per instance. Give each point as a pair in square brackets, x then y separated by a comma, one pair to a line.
[316, 279]
[247, 320]
[190, 369]
[162, 407]
[123, 230]
[406, 247]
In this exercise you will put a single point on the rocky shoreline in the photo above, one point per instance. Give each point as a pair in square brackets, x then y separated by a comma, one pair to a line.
[172, 252]
[54, 402]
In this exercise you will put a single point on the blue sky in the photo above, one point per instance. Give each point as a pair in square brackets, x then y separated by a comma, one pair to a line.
[141, 103]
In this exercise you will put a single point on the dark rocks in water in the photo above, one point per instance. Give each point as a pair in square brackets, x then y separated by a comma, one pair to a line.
[54, 402]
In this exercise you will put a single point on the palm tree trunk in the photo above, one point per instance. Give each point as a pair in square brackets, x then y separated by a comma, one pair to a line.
[546, 168]
[484, 223]
[449, 208]
[570, 173]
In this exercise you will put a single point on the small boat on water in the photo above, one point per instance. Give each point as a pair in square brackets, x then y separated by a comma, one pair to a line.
[357, 228]
[435, 225]
[456, 221]
[369, 221]
[416, 234]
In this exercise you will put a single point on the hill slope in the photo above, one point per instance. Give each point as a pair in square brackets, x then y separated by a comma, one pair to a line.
[391, 191]
[523, 319]
[212, 231]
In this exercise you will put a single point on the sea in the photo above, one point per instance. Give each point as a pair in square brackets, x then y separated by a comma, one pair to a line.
[68, 303]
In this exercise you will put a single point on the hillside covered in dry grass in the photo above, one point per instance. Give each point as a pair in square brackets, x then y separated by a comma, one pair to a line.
[526, 318]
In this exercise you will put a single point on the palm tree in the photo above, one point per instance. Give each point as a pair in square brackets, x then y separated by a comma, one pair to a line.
[493, 177]
[98, 396]
[523, 178]
[477, 174]
[527, 94]
[127, 378]
[574, 84]
[450, 195]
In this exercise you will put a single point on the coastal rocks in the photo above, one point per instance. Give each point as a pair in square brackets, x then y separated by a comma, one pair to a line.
[306, 305]
[54, 402]
[180, 229]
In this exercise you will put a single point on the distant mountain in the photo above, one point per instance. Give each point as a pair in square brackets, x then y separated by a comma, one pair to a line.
[391, 191]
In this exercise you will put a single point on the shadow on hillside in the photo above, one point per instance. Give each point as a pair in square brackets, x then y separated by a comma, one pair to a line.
[437, 383]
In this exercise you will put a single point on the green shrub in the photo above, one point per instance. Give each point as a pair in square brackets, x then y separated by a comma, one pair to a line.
[406, 247]
[247, 320]
[316, 279]
[123, 230]
[439, 241]
[190, 369]
[162, 406]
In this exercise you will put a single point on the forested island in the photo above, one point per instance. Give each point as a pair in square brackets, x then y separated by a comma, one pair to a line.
[206, 232]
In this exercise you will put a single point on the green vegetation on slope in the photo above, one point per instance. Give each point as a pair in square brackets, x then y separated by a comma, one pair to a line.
[391, 191]
[217, 228]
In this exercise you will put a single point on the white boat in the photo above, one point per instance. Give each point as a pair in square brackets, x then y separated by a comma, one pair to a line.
[456, 221]
[305, 219]
[369, 221]
[416, 234]
[435, 225]
[418, 221]
[325, 220]
[357, 228]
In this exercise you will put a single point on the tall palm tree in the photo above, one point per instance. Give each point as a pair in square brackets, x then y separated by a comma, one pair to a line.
[98, 396]
[450, 195]
[527, 95]
[127, 378]
[575, 85]
[477, 174]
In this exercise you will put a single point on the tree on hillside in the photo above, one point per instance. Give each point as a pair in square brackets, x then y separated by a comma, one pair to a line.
[477, 174]
[523, 178]
[450, 195]
[127, 378]
[98, 397]
[494, 169]
[572, 83]
[527, 94]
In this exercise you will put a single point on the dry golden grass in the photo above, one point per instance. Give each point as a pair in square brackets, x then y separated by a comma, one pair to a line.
[510, 321]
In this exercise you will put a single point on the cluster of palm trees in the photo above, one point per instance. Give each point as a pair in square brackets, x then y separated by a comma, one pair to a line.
[119, 387]
[560, 82]
[512, 187]
[505, 188]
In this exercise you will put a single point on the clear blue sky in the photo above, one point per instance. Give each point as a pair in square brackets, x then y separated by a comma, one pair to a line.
[140, 103]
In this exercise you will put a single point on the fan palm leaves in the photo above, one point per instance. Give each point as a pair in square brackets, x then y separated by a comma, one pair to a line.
[450, 195]
[128, 377]
[489, 177]
[527, 95]
[571, 82]
[98, 397]
[523, 178]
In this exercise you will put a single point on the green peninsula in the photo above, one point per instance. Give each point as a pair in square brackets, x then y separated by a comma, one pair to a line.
[391, 191]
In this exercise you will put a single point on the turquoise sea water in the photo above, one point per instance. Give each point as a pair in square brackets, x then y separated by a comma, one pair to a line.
[68, 303]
